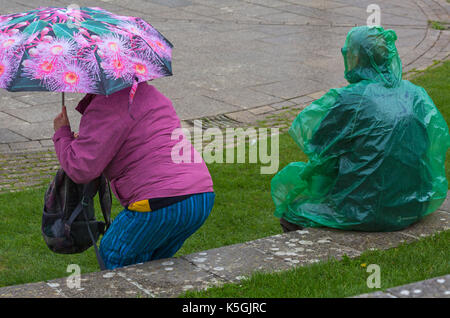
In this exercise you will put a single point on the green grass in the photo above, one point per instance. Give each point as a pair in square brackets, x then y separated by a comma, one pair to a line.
[24, 257]
[437, 25]
[243, 210]
[423, 259]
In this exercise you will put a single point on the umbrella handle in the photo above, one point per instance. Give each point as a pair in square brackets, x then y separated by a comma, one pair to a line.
[62, 99]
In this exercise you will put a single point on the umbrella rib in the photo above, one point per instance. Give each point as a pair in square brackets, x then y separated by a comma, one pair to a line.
[156, 54]
[103, 79]
[16, 75]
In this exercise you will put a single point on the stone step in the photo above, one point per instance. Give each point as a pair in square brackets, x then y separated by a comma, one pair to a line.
[438, 287]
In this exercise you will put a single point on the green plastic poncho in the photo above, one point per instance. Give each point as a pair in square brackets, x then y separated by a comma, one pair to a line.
[376, 147]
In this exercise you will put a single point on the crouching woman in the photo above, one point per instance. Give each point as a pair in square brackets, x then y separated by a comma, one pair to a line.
[164, 201]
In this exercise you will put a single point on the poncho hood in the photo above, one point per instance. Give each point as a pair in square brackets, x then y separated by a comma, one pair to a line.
[370, 54]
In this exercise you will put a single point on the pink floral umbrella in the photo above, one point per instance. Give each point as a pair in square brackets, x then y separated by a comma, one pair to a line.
[84, 50]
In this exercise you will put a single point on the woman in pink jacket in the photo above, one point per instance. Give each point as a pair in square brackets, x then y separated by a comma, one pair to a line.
[164, 201]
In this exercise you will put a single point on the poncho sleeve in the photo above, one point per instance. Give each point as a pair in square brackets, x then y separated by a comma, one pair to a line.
[323, 128]
[439, 138]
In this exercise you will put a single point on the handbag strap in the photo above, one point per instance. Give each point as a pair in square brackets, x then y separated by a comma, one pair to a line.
[97, 253]
[104, 195]
[73, 216]
[88, 193]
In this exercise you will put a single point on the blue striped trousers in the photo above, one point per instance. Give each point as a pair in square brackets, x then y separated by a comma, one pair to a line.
[136, 237]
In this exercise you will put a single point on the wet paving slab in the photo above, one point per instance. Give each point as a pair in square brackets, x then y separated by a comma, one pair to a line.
[362, 241]
[33, 290]
[435, 222]
[235, 262]
[105, 284]
[438, 287]
[432, 288]
[168, 277]
[302, 247]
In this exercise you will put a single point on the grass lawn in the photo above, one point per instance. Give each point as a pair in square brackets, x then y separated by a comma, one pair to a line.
[243, 211]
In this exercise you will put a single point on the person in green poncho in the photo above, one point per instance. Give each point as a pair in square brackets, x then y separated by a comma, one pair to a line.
[376, 147]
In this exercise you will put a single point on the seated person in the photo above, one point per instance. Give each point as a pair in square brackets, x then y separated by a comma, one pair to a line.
[376, 147]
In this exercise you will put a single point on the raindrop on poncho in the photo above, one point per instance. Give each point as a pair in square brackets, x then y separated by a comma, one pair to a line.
[376, 147]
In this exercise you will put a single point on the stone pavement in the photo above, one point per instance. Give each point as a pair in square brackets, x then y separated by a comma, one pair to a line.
[237, 58]
[230, 264]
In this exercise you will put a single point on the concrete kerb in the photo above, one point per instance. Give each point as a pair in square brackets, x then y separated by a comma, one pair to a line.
[438, 287]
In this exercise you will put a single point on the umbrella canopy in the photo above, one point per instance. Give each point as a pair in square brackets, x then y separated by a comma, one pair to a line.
[85, 50]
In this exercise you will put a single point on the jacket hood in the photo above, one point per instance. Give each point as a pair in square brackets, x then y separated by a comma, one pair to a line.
[88, 98]
[84, 103]
[370, 54]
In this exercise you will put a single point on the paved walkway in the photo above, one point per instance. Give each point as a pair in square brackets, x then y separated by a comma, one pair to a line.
[230, 264]
[238, 57]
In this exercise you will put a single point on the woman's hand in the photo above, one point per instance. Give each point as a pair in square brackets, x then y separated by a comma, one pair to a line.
[61, 120]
